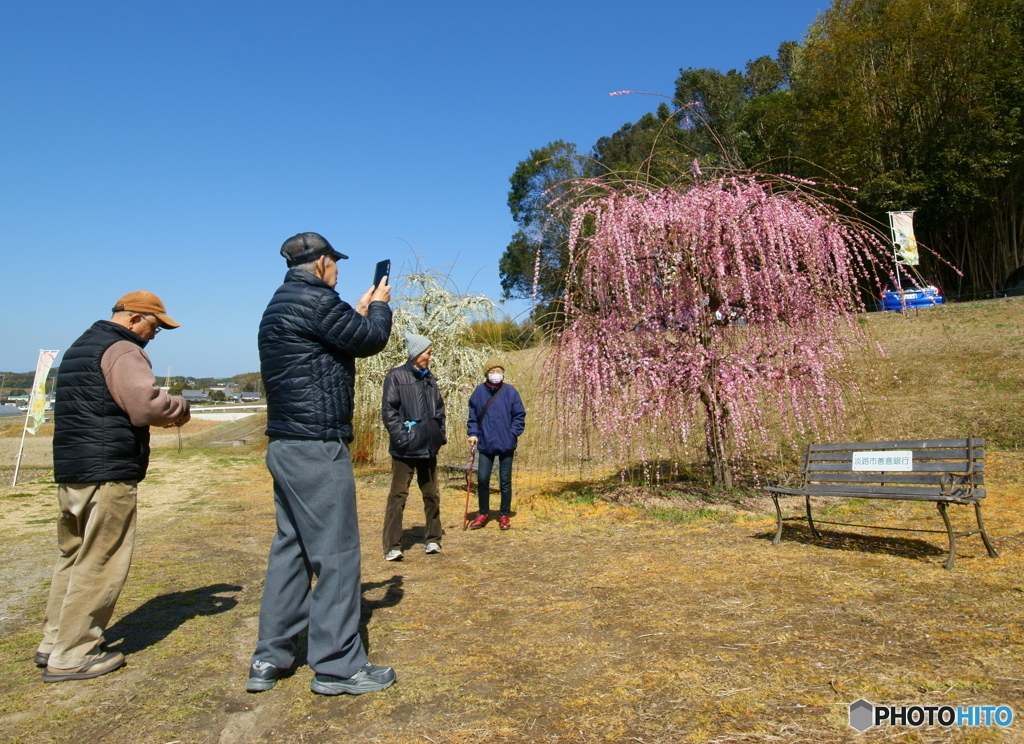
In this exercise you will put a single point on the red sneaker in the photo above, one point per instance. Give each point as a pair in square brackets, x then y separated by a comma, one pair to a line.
[504, 522]
[479, 521]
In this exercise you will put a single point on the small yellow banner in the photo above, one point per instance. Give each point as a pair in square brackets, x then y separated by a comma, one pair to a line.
[37, 403]
[904, 243]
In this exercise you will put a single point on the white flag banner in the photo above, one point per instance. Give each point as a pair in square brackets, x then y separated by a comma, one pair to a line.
[37, 402]
[901, 224]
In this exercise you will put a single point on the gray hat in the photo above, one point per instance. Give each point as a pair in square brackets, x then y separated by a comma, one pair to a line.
[306, 247]
[416, 344]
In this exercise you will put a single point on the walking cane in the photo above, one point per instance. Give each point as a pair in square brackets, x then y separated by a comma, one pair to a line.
[469, 481]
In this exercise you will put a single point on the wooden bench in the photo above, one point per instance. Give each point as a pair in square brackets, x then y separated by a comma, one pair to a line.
[944, 471]
[460, 471]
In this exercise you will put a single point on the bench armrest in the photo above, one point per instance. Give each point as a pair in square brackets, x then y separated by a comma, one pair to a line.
[790, 479]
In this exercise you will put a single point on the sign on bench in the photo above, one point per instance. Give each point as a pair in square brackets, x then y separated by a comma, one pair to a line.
[873, 460]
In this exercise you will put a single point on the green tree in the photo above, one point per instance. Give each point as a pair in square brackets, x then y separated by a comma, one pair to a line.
[741, 119]
[218, 396]
[542, 187]
[653, 151]
[918, 103]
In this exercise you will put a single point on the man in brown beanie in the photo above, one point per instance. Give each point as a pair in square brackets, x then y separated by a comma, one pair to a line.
[106, 400]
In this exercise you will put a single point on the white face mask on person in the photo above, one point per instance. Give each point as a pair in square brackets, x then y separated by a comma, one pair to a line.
[495, 378]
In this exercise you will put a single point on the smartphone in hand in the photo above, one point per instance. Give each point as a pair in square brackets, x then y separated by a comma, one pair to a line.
[383, 270]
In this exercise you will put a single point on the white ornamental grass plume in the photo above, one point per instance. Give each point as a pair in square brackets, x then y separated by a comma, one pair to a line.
[428, 304]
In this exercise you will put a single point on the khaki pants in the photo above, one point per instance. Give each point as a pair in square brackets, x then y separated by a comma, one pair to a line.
[96, 535]
[402, 471]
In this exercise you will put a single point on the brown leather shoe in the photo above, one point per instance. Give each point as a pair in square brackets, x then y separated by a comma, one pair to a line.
[42, 659]
[95, 668]
[504, 522]
[479, 521]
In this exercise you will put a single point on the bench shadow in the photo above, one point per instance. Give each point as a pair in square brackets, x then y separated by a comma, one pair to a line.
[411, 536]
[493, 512]
[904, 547]
[157, 618]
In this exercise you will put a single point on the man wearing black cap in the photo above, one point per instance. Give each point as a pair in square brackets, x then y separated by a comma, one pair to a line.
[106, 400]
[309, 340]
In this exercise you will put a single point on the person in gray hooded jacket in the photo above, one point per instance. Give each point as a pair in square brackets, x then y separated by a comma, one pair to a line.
[413, 414]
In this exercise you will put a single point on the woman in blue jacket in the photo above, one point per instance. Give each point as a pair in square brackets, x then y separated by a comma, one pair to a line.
[496, 419]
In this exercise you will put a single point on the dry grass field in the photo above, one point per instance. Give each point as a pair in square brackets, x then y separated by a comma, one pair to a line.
[609, 612]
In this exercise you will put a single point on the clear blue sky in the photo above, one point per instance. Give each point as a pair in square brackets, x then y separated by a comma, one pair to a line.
[174, 146]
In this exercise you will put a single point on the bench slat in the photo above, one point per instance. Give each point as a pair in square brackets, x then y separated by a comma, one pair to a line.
[859, 477]
[824, 489]
[939, 454]
[866, 492]
[919, 467]
[908, 444]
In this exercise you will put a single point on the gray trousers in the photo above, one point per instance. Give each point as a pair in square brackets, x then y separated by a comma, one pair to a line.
[317, 534]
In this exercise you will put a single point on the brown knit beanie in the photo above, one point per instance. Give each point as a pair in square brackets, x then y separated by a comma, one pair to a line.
[492, 363]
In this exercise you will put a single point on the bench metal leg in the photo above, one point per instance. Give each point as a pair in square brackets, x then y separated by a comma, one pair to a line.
[984, 535]
[778, 515]
[952, 538]
[810, 520]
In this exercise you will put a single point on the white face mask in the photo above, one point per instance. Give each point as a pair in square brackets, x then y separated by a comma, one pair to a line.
[495, 378]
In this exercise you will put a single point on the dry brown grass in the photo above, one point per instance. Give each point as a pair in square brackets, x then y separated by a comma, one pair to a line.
[953, 368]
[583, 623]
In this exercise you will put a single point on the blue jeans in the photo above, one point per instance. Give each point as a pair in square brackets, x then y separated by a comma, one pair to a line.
[483, 490]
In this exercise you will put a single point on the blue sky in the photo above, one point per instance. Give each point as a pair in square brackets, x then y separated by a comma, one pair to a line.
[174, 146]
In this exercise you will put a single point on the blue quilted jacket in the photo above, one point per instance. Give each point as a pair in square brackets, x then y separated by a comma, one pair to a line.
[309, 339]
[504, 421]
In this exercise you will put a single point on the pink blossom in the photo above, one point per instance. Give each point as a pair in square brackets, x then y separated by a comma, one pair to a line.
[727, 308]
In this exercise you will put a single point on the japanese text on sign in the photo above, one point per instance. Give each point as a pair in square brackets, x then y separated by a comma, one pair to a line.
[900, 460]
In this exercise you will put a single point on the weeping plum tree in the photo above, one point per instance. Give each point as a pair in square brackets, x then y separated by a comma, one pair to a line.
[728, 298]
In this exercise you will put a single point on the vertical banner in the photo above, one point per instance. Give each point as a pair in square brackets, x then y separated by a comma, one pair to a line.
[901, 224]
[37, 402]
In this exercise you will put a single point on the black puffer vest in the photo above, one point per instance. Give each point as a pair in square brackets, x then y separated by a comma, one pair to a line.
[93, 439]
[309, 340]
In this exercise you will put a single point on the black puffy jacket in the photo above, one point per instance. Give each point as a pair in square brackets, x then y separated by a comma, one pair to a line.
[93, 438]
[410, 397]
[309, 340]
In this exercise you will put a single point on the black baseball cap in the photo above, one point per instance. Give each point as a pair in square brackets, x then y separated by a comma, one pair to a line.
[306, 247]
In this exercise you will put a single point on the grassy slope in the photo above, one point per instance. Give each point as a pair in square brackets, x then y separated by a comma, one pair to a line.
[589, 621]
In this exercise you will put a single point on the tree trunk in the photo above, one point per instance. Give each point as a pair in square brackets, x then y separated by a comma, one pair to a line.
[716, 427]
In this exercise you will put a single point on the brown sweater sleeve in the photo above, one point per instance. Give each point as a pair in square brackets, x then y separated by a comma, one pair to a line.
[129, 376]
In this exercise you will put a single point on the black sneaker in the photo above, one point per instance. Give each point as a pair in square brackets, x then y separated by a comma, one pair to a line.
[262, 676]
[369, 678]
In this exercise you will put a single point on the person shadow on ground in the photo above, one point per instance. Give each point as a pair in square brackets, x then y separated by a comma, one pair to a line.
[157, 618]
[393, 594]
